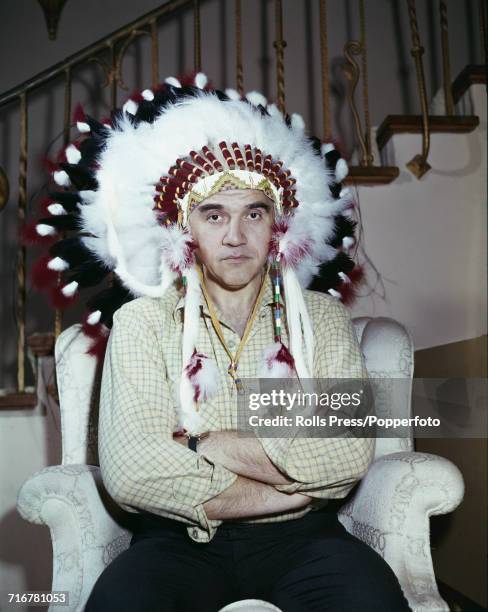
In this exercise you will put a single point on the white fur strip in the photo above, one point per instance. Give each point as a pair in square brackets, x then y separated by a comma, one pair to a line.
[206, 378]
[190, 338]
[307, 326]
[292, 309]
[137, 287]
[271, 367]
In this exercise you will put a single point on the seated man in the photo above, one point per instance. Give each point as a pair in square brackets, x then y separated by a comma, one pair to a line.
[220, 517]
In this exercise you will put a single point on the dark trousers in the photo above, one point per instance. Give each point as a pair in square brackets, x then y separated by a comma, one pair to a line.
[301, 565]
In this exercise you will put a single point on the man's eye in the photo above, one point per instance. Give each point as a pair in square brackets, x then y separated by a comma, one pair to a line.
[212, 217]
[254, 212]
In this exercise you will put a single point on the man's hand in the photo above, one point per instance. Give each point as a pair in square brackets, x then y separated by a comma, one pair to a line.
[243, 456]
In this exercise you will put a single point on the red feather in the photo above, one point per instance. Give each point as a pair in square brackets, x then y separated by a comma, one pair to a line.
[107, 121]
[43, 204]
[79, 114]
[99, 346]
[49, 165]
[348, 290]
[284, 356]
[29, 235]
[92, 331]
[59, 300]
[136, 97]
[42, 276]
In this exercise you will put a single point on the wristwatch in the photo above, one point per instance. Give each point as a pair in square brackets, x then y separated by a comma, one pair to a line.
[194, 440]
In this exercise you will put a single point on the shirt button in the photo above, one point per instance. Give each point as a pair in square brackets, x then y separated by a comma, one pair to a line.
[232, 344]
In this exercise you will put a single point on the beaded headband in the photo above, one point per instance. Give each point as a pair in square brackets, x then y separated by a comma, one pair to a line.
[190, 181]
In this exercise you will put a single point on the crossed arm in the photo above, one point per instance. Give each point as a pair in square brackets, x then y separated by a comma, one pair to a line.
[253, 492]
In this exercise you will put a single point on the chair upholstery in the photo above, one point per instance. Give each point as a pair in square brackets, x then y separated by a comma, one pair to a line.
[389, 509]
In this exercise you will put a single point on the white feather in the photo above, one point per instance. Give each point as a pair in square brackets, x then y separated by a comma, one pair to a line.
[233, 94]
[327, 147]
[94, 317]
[70, 289]
[58, 264]
[45, 230]
[61, 178]
[73, 154]
[56, 209]
[348, 242]
[297, 122]
[82, 127]
[334, 293]
[201, 80]
[274, 111]
[256, 98]
[174, 245]
[345, 278]
[87, 196]
[130, 107]
[207, 378]
[173, 81]
[148, 95]
[270, 367]
[341, 170]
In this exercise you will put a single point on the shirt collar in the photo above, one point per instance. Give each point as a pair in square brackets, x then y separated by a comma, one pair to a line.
[268, 299]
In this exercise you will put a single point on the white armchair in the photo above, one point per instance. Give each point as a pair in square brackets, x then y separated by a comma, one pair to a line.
[389, 510]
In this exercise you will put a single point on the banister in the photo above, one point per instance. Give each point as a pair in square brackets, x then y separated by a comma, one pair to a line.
[103, 44]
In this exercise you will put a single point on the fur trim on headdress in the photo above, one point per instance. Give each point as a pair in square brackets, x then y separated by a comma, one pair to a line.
[204, 376]
[277, 362]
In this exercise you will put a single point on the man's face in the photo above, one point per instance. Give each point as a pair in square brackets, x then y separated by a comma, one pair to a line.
[233, 230]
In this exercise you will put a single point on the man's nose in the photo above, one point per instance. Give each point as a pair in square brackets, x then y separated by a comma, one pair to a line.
[234, 236]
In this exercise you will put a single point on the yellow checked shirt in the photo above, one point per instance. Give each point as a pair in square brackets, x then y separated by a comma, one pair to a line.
[145, 470]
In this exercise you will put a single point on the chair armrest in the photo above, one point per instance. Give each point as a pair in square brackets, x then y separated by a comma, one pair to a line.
[87, 529]
[390, 511]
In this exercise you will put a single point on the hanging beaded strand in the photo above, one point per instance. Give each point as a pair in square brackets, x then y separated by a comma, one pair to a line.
[277, 306]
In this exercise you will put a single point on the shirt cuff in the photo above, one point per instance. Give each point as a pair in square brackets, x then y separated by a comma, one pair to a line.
[222, 479]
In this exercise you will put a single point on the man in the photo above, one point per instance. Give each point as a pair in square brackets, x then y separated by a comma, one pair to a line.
[239, 191]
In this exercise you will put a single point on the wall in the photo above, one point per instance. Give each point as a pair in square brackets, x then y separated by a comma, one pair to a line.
[461, 535]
